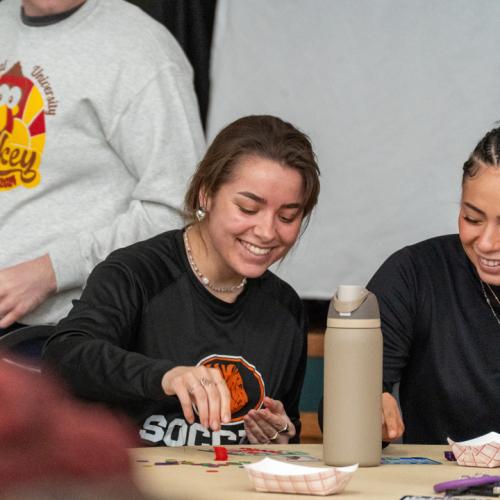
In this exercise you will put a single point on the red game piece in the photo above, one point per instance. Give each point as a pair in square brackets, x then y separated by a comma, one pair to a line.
[220, 453]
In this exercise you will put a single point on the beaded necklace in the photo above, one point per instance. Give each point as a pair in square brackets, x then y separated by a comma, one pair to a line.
[204, 280]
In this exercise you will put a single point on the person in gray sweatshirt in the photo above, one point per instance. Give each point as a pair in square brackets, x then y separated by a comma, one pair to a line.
[99, 133]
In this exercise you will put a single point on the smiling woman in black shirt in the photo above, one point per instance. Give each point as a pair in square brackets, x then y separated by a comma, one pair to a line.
[188, 332]
[440, 309]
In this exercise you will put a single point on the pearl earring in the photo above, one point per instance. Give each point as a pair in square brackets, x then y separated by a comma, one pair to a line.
[200, 214]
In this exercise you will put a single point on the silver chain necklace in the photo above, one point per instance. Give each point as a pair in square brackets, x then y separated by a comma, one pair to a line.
[488, 301]
[204, 280]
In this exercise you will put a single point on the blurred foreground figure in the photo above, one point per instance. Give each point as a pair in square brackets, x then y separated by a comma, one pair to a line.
[54, 447]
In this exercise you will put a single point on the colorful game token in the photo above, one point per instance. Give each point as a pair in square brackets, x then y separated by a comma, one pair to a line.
[220, 453]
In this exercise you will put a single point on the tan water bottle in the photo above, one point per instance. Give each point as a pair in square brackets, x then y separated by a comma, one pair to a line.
[352, 414]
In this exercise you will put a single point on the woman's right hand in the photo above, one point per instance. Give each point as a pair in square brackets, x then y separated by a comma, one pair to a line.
[204, 387]
[392, 422]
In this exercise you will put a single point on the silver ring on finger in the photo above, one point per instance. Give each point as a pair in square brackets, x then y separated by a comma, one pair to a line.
[284, 430]
[205, 381]
[273, 438]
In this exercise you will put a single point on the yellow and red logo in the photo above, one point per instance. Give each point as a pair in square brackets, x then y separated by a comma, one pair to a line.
[243, 380]
[22, 130]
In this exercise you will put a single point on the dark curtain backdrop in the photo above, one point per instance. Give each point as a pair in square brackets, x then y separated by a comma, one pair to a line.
[191, 22]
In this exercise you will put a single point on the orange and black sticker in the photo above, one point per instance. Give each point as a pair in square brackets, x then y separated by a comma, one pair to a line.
[22, 130]
[243, 380]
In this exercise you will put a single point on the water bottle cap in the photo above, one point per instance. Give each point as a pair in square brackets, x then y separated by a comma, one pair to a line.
[349, 297]
[359, 312]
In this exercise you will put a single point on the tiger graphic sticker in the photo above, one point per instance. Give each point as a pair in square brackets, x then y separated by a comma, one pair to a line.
[243, 380]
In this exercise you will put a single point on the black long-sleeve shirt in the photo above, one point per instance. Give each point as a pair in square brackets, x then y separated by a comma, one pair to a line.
[441, 341]
[144, 312]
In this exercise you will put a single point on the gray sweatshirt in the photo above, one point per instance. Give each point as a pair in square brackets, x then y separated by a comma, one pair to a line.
[99, 133]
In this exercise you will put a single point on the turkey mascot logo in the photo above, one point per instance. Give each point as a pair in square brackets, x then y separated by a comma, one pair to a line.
[22, 130]
[244, 382]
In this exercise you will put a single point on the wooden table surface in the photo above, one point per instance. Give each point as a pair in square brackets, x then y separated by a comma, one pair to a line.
[178, 482]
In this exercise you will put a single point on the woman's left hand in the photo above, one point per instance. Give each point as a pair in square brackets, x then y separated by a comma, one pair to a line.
[269, 425]
[392, 422]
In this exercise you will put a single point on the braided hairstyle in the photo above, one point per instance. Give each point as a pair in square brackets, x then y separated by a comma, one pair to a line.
[487, 152]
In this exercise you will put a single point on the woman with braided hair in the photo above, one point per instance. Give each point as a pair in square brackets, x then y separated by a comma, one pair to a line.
[440, 307]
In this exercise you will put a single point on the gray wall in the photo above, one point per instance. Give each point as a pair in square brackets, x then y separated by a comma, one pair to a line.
[394, 95]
